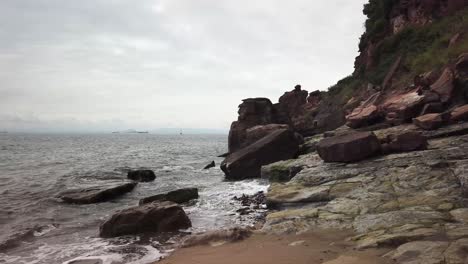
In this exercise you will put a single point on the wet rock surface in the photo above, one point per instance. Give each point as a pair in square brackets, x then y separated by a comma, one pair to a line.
[141, 175]
[176, 196]
[246, 163]
[97, 194]
[388, 200]
[210, 165]
[154, 217]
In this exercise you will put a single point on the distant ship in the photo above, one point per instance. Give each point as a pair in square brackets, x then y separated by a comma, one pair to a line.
[130, 131]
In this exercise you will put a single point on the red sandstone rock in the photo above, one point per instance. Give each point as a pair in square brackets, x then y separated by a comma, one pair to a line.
[459, 114]
[444, 86]
[348, 147]
[252, 112]
[403, 107]
[409, 141]
[246, 163]
[430, 121]
[257, 132]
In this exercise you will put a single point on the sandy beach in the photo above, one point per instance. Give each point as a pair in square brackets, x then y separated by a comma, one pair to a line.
[315, 247]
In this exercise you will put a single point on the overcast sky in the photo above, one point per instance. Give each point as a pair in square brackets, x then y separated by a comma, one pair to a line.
[103, 65]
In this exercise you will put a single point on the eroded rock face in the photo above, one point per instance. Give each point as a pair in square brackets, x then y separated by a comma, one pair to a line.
[444, 86]
[141, 175]
[177, 196]
[258, 132]
[390, 200]
[252, 112]
[459, 114]
[97, 194]
[403, 107]
[349, 147]
[431, 121]
[154, 217]
[281, 144]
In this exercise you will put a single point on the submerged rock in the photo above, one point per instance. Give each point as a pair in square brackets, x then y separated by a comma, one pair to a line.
[209, 166]
[246, 163]
[154, 217]
[177, 196]
[141, 175]
[217, 237]
[97, 194]
[349, 147]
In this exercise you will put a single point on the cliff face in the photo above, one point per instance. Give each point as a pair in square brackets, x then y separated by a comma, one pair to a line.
[387, 18]
[406, 64]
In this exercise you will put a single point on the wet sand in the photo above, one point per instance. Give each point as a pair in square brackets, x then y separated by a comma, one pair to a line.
[327, 247]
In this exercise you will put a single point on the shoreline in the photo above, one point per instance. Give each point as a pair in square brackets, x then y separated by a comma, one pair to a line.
[318, 246]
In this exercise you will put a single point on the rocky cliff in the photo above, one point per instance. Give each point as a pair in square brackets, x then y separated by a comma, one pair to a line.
[385, 150]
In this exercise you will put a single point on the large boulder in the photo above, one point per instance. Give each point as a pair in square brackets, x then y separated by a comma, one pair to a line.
[257, 132]
[292, 103]
[279, 145]
[459, 114]
[362, 116]
[96, 194]
[154, 217]
[349, 147]
[401, 108]
[252, 112]
[141, 175]
[177, 196]
[404, 142]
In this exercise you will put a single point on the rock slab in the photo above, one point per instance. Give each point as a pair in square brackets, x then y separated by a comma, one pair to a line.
[96, 194]
[349, 147]
[177, 196]
[246, 163]
[154, 217]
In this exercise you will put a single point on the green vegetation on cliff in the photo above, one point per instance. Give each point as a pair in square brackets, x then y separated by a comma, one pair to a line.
[423, 48]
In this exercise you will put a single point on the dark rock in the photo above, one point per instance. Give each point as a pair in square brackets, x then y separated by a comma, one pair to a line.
[292, 103]
[246, 163]
[405, 142]
[256, 199]
[141, 175]
[462, 64]
[431, 121]
[459, 114]
[211, 165]
[432, 108]
[426, 79]
[223, 155]
[349, 147]
[97, 194]
[154, 217]
[444, 86]
[177, 196]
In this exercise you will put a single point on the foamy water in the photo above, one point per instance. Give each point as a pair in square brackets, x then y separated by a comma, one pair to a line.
[35, 168]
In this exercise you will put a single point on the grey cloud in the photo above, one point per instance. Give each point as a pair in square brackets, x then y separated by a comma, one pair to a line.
[156, 63]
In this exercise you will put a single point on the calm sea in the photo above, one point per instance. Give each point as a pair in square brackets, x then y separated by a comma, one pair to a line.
[35, 227]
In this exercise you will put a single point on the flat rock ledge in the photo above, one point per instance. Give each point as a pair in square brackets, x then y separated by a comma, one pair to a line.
[388, 200]
[96, 194]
